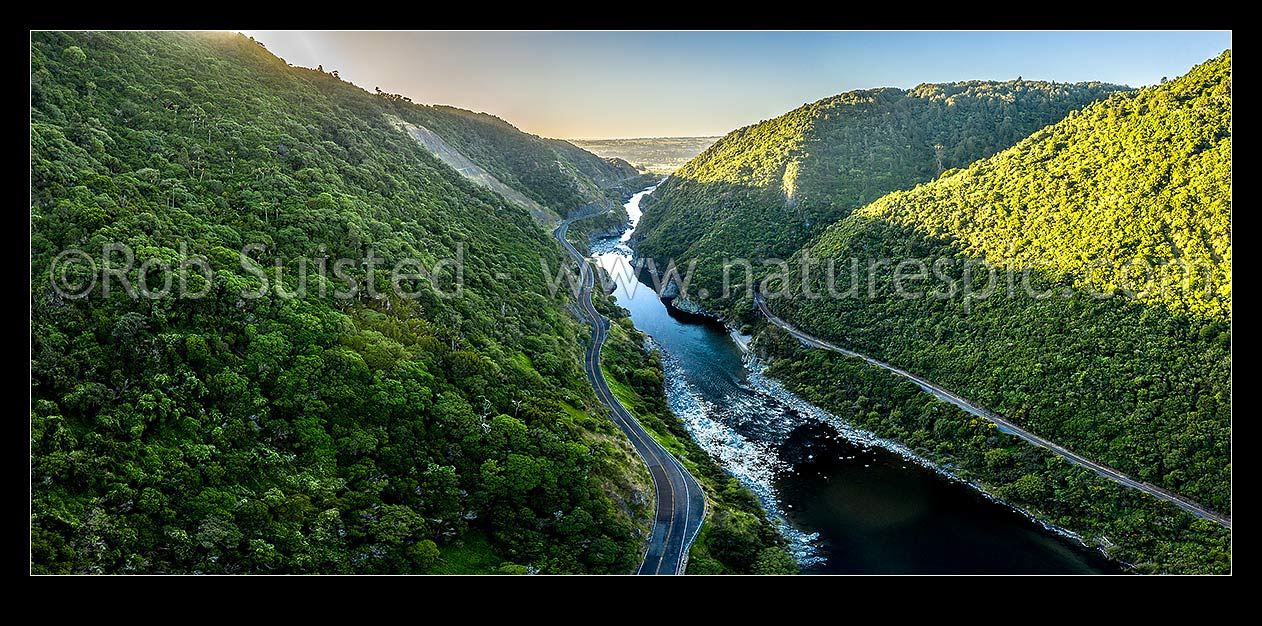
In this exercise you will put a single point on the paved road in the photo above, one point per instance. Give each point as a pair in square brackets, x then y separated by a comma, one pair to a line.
[1006, 426]
[680, 502]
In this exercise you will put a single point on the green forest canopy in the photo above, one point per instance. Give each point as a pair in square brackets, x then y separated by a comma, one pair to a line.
[765, 190]
[1140, 383]
[229, 434]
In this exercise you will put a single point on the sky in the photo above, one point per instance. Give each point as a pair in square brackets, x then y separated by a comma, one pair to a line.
[578, 85]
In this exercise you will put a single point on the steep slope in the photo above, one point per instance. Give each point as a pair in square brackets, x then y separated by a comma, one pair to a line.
[764, 190]
[456, 159]
[271, 421]
[553, 173]
[1108, 329]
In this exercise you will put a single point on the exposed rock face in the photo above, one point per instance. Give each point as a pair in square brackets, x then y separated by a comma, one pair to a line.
[670, 294]
[467, 168]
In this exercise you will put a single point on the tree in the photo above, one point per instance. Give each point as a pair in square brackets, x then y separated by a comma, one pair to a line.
[1030, 487]
[424, 555]
[75, 55]
[775, 561]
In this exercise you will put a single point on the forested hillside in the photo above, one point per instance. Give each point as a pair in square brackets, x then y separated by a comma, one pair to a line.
[764, 190]
[552, 172]
[238, 433]
[1129, 367]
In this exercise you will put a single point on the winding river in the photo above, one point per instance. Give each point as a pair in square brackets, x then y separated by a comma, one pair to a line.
[848, 502]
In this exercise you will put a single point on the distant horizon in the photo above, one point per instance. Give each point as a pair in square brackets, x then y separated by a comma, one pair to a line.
[635, 138]
[651, 85]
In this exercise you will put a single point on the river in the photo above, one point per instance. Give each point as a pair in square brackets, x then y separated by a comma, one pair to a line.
[848, 502]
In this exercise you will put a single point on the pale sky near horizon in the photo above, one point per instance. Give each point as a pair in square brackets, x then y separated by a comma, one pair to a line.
[662, 84]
